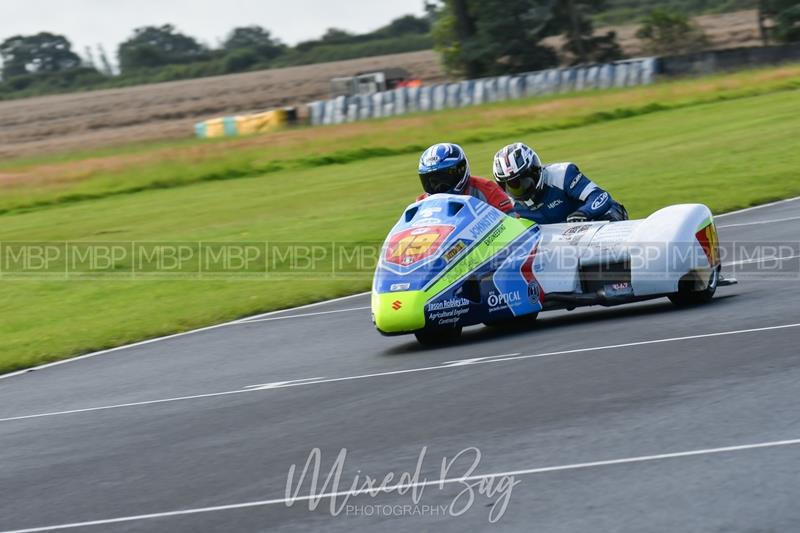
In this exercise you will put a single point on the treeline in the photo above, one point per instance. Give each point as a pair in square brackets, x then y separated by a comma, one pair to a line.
[491, 37]
[46, 63]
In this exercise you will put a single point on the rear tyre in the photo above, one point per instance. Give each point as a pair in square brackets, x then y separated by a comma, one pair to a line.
[687, 295]
[437, 336]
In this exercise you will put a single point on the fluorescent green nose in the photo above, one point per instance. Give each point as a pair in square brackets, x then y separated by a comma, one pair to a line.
[399, 312]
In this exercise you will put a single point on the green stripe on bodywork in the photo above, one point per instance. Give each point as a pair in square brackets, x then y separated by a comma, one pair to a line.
[410, 316]
[509, 230]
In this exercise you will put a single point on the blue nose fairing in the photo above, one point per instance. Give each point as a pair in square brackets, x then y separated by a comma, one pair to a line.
[468, 262]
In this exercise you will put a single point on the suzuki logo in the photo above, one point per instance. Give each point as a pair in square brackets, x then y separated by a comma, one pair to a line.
[396, 305]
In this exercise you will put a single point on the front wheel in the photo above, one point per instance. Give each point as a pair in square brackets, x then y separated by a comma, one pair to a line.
[437, 336]
[687, 295]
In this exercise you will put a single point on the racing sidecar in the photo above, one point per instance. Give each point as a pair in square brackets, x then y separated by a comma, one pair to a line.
[453, 261]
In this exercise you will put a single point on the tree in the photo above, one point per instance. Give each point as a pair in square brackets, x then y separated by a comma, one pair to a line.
[572, 18]
[484, 37]
[404, 26]
[255, 39]
[337, 36]
[478, 38]
[240, 60]
[671, 33]
[106, 64]
[155, 46]
[784, 16]
[332, 36]
[463, 26]
[41, 53]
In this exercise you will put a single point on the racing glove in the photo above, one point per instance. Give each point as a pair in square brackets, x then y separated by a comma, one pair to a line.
[577, 216]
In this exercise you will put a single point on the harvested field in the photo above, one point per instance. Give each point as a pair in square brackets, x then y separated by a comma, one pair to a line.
[169, 110]
[82, 121]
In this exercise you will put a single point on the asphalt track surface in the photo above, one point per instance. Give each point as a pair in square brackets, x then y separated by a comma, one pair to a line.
[636, 418]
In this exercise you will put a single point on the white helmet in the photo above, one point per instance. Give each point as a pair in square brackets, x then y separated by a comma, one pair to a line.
[517, 161]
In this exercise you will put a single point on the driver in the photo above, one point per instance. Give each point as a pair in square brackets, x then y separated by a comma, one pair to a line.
[550, 194]
[443, 168]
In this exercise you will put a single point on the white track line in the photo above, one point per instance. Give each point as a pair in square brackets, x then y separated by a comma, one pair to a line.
[278, 384]
[498, 358]
[420, 484]
[746, 209]
[449, 365]
[773, 221]
[307, 306]
[176, 335]
[257, 320]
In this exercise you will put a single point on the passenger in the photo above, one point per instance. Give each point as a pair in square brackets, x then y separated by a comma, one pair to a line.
[554, 193]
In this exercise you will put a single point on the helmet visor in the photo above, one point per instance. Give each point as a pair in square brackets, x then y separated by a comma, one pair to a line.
[514, 180]
[442, 180]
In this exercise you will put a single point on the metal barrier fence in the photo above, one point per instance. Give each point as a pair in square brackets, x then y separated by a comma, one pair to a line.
[423, 99]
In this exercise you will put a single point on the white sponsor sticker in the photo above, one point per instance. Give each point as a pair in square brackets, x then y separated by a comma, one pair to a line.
[429, 211]
[504, 298]
[426, 222]
[602, 199]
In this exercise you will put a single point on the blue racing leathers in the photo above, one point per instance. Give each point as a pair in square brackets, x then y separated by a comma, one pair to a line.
[566, 191]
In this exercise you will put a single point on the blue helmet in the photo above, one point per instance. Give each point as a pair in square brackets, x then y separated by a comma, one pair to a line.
[443, 168]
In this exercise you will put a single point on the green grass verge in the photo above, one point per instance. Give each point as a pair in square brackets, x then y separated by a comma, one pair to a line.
[80, 177]
[727, 154]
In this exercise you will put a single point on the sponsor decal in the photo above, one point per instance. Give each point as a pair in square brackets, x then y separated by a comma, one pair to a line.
[426, 222]
[575, 181]
[454, 250]
[429, 211]
[397, 305]
[602, 199]
[447, 311]
[534, 292]
[575, 230]
[399, 287]
[415, 244]
[554, 204]
[448, 304]
[494, 234]
[707, 237]
[504, 298]
[486, 223]
[451, 320]
[575, 233]
[619, 289]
